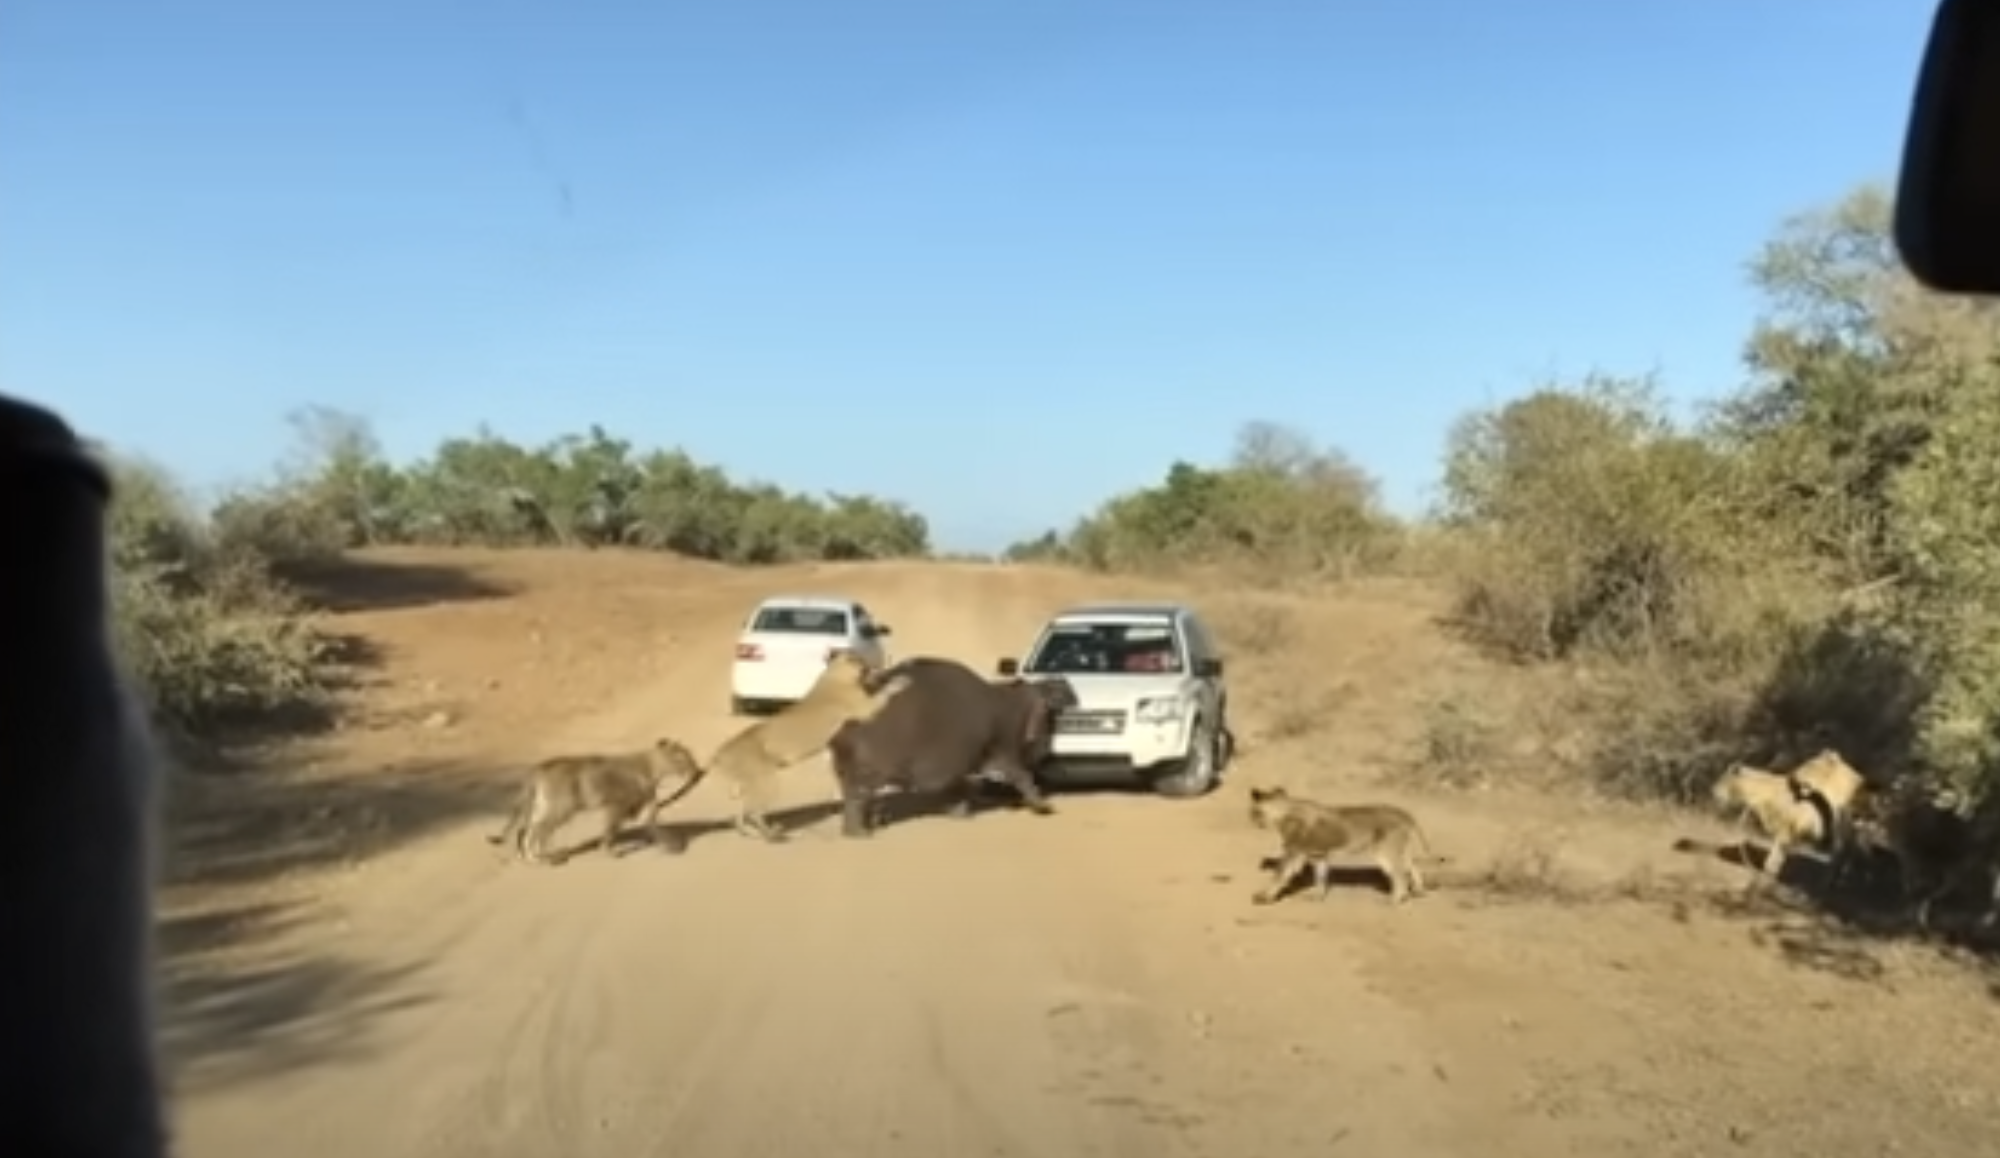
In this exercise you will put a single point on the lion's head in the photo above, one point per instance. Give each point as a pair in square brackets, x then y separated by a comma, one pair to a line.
[846, 666]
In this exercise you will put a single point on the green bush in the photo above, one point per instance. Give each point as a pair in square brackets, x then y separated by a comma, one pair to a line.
[1282, 509]
[213, 639]
[280, 524]
[1602, 526]
[1816, 561]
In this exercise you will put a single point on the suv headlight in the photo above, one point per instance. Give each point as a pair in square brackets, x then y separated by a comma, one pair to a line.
[1162, 710]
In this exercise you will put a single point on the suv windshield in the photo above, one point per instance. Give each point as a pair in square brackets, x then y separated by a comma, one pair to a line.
[801, 621]
[1084, 648]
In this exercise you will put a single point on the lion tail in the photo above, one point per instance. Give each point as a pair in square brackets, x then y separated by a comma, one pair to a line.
[686, 786]
[1424, 848]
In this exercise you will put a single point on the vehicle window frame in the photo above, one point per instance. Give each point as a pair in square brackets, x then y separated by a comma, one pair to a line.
[1050, 630]
[757, 618]
[1196, 640]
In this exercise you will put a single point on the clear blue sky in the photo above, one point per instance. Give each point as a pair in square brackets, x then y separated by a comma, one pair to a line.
[998, 258]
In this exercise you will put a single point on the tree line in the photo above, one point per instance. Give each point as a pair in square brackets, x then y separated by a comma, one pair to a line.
[580, 490]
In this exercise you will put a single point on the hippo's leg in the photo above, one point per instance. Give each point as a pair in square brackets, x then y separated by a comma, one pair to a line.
[857, 792]
[1015, 773]
[857, 812]
[960, 797]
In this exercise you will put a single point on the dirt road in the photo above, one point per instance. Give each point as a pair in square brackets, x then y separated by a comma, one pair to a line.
[1091, 983]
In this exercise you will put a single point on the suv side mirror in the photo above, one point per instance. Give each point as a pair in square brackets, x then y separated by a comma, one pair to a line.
[1009, 667]
[879, 630]
[1208, 669]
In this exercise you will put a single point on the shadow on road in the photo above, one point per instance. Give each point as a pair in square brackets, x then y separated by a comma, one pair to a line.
[237, 1006]
[1842, 929]
[255, 826]
[249, 990]
[352, 584]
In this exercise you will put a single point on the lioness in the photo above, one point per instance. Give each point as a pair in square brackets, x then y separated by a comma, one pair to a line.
[752, 757]
[1828, 782]
[622, 785]
[1772, 802]
[1311, 833]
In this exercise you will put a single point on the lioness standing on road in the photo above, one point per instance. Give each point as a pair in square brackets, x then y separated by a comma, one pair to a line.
[622, 785]
[751, 758]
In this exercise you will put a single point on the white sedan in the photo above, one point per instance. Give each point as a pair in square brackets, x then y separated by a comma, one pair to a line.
[785, 644]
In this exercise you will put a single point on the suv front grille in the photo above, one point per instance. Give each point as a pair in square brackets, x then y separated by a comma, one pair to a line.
[1090, 723]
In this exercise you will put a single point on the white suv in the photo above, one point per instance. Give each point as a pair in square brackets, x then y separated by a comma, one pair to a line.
[785, 645]
[1152, 705]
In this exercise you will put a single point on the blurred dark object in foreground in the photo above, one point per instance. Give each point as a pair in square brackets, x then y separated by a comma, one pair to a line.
[80, 1075]
[1948, 196]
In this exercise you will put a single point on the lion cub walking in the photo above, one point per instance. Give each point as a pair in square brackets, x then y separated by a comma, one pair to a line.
[1311, 833]
[621, 785]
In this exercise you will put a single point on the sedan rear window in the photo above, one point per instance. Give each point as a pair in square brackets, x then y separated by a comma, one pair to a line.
[801, 621]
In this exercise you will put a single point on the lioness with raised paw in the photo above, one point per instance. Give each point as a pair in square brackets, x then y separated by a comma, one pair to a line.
[1312, 833]
[751, 758]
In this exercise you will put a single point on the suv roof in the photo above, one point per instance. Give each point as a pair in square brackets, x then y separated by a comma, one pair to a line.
[1121, 611]
[816, 602]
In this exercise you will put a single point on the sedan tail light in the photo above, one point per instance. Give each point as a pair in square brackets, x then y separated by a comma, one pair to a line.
[749, 651]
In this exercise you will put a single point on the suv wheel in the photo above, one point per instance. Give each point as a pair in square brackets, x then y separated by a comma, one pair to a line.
[1196, 775]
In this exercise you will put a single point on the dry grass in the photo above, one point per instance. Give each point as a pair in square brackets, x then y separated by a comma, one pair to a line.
[1461, 746]
[1534, 870]
[1253, 627]
[1529, 869]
